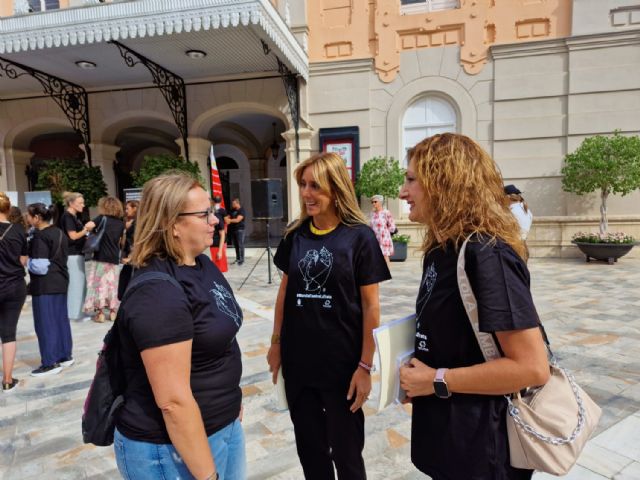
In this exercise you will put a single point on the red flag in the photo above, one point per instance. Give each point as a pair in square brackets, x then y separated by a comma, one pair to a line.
[216, 185]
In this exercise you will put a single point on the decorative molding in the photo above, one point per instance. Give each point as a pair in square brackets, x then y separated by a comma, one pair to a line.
[140, 19]
[341, 67]
[72, 99]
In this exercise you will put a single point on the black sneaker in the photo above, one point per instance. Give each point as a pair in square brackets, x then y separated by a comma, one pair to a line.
[10, 387]
[42, 371]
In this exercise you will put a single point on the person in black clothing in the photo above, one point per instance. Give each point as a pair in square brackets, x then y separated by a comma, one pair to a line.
[219, 248]
[76, 233]
[103, 274]
[459, 426]
[325, 313]
[48, 251]
[13, 290]
[235, 223]
[182, 402]
[131, 212]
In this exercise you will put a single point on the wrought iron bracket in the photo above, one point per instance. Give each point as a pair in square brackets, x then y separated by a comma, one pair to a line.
[71, 98]
[292, 90]
[171, 86]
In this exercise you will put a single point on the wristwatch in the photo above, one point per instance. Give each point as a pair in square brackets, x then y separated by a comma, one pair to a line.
[440, 387]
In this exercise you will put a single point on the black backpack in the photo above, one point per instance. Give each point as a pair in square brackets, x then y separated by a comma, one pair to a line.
[105, 394]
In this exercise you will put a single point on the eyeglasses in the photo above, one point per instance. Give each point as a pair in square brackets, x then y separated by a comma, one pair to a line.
[207, 215]
[374, 202]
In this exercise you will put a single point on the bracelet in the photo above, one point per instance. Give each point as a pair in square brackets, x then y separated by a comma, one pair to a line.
[275, 339]
[366, 366]
[213, 476]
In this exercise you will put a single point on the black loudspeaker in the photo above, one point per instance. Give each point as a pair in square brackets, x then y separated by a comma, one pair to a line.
[266, 198]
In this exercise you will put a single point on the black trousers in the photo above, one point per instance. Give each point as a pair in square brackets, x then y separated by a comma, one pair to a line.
[12, 297]
[328, 434]
[237, 238]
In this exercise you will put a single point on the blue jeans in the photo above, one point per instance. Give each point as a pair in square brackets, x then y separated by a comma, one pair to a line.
[149, 461]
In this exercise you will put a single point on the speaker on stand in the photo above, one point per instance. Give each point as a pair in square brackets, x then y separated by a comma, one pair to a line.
[266, 201]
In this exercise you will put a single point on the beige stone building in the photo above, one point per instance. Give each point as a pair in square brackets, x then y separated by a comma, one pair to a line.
[529, 79]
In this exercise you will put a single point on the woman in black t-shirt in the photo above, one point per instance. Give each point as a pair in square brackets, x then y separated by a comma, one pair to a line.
[76, 233]
[179, 352]
[49, 277]
[102, 271]
[459, 427]
[325, 313]
[13, 291]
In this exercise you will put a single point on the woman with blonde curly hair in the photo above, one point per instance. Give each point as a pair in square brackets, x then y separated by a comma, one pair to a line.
[455, 189]
[326, 309]
[103, 273]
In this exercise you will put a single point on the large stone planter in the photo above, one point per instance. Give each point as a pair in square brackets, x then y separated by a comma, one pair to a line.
[399, 252]
[609, 252]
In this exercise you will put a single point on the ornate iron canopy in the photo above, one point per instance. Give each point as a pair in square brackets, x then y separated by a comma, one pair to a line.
[171, 85]
[71, 98]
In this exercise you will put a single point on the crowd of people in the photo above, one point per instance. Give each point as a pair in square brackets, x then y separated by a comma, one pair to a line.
[179, 319]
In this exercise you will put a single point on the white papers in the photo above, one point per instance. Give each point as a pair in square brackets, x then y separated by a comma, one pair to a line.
[281, 396]
[395, 346]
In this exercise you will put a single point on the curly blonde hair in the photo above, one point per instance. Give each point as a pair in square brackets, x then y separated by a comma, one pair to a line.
[330, 172]
[463, 193]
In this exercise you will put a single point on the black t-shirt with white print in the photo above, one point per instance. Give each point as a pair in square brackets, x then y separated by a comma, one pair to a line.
[465, 435]
[49, 243]
[321, 333]
[158, 313]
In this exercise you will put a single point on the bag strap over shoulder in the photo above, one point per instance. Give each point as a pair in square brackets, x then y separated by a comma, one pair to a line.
[486, 341]
[6, 231]
[147, 277]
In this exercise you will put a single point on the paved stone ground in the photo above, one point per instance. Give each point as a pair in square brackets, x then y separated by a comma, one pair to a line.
[590, 311]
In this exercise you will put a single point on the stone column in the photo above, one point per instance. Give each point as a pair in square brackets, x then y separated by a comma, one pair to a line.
[17, 161]
[103, 155]
[198, 152]
[304, 135]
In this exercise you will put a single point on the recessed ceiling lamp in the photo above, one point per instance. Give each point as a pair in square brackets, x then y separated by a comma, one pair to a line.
[85, 65]
[195, 54]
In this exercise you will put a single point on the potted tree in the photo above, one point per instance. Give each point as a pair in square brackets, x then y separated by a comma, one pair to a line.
[384, 176]
[610, 165]
[154, 165]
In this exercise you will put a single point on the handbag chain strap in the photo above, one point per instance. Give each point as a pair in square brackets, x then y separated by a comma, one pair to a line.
[515, 414]
[6, 231]
[490, 352]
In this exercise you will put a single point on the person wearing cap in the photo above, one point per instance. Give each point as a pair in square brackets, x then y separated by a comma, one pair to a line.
[519, 209]
[219, 246]
[382, 224]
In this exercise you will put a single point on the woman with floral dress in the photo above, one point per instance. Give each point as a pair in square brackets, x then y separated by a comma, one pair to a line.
[103, 271]
[381, 222]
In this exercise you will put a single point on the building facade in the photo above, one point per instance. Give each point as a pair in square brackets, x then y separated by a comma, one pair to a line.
[529, 79]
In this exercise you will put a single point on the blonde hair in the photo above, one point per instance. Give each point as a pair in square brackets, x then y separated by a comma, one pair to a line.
[330, 173]
[5, 203]
[111, 207]
[69, 197]
[463, 193]
[163, 197]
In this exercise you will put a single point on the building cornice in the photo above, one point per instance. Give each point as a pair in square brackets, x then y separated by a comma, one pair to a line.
[148, 18]
[561, 45]
[341, 66]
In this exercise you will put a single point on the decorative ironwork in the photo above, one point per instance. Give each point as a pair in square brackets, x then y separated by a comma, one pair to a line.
[265, 48]
[71, 98]
[290, 81]
[171, 86]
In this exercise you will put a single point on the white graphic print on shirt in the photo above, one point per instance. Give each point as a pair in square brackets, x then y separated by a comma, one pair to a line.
[426, 287]
[315, 268]
[226, 303]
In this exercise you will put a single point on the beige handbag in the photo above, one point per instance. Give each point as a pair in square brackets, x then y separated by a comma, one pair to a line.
[549, 427]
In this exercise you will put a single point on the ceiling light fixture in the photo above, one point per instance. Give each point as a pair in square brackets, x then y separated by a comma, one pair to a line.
[85, 65]
[195, 54]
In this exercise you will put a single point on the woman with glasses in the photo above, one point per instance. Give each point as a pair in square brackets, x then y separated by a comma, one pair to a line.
[103, 273]
[382, 224]
[182, 403]
[325, 313]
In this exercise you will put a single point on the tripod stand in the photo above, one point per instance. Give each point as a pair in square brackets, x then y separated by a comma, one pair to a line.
[267, 250]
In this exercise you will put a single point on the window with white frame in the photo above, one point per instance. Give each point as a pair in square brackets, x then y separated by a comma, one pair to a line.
[425, 117]
[421, 6]
[43, 5]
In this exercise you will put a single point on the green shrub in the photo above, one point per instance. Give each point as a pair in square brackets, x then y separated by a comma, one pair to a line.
[154, 165]
[71, 175]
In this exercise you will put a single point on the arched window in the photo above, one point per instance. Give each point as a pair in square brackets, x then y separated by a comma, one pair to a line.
[425, 117]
